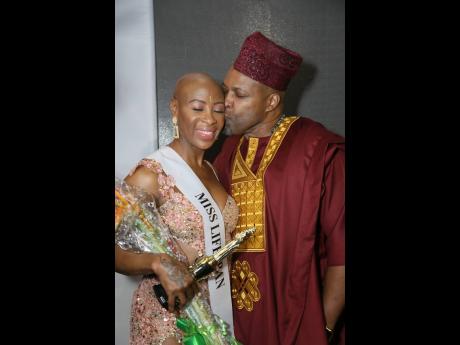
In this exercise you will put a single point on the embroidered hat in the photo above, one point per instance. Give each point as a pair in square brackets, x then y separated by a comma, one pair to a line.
[263, 60]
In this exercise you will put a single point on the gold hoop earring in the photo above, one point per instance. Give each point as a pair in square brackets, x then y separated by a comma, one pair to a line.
[175, 128]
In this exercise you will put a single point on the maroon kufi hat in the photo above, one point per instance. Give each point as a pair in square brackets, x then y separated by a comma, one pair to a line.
[263, 60]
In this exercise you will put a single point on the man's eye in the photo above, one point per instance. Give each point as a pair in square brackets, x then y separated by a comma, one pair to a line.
[197, 109]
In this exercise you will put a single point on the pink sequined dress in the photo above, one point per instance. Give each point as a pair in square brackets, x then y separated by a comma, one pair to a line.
[151, 324]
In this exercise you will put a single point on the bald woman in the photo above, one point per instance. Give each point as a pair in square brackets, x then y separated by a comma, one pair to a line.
[197, 110]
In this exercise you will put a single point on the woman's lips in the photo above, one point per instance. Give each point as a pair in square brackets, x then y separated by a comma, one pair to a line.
[206, 134]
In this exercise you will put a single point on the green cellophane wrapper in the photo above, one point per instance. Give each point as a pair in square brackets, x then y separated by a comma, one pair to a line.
[139, 228]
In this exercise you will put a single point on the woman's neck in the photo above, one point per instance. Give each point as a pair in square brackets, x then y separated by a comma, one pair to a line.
[194, 157]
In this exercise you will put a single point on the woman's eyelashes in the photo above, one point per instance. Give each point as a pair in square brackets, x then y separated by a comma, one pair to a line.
[220, 109]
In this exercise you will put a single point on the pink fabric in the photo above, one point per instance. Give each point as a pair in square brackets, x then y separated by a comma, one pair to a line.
[150, 323]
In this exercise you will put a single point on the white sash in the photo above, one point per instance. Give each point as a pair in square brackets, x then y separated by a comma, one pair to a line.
[214, 231]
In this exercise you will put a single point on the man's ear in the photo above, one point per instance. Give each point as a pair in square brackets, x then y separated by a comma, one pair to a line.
[272, 101]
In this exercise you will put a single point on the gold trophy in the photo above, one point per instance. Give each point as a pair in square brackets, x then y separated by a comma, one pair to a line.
[205, 265]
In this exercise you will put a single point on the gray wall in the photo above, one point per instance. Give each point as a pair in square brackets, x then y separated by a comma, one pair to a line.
[135, 116]
[206, 35]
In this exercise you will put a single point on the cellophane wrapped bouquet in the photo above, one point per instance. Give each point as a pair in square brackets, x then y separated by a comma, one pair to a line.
[139, 228]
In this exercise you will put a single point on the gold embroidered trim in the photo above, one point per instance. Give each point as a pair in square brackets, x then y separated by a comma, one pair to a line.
[252, 149]
[248, 190]
[244, 286]
[274, 143]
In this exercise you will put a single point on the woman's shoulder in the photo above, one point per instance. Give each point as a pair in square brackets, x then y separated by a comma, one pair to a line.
[148, 174]
[149, 164]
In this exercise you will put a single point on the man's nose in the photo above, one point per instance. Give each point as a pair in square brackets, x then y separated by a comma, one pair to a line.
[228, 100]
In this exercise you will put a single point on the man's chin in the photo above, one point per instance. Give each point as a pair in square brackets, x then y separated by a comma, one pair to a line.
[227, 131]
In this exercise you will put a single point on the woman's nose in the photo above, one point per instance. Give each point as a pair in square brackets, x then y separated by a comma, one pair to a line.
[209, 115]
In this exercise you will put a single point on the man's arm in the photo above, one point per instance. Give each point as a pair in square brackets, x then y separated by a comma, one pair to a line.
[334, 294]
[333, 226]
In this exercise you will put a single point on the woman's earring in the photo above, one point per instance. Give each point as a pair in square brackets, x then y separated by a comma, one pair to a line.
[175, 129]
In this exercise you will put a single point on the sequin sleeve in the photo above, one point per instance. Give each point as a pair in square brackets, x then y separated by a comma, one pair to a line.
[166, 183]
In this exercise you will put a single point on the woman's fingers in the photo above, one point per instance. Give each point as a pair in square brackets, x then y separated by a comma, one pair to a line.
[195, 288]
[177, 282]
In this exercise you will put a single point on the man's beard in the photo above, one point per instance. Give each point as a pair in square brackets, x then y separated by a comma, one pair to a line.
[227, 130]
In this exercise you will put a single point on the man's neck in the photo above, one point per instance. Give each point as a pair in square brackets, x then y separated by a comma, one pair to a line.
[264, 128]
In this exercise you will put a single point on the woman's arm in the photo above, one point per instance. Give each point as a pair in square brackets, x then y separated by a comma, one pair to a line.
[172, 274]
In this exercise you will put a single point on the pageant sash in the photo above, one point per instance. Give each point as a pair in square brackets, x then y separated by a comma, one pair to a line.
[214, 231]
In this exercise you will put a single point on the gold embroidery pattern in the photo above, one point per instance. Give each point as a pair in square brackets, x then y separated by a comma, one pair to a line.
[248, 193]
[244, 286]
[248, 190]
[238, 171]
[274, 143]
[252, 149]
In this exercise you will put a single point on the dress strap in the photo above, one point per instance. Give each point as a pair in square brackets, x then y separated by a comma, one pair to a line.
[215, 174]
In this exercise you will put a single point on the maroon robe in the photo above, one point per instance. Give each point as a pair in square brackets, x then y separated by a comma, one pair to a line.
[305, 232]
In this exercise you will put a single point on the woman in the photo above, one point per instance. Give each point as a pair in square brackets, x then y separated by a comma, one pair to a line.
[192, 203]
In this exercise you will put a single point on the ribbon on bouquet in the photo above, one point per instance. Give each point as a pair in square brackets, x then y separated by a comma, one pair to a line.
[202, 335]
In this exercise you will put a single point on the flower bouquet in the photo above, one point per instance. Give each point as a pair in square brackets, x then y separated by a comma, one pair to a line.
[139, 228]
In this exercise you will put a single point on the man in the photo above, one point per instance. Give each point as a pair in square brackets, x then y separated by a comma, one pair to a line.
[287, 175]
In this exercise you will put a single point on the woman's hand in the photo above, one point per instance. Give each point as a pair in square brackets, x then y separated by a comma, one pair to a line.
[176, 279]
